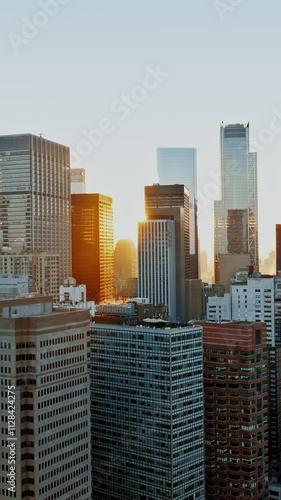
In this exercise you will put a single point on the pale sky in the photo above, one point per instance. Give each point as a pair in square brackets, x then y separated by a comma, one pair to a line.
[65, 70]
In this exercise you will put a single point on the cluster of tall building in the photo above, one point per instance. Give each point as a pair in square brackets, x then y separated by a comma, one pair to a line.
[173, 390]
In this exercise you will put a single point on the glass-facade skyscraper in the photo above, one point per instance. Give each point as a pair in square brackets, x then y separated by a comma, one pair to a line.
[278, 248]
[179, 166]
[35, 197]
[147, 412]
[236, 214]
[93, 244]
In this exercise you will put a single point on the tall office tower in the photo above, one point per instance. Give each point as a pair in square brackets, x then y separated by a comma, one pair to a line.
[44, 383]
[236, 214]
[77, 181]
[125, 269]
[157, 263]
[147, 412]
[236, 410]
[179, 166]
[172, 203]
[278, 248]
[35, 197]
[93, 245]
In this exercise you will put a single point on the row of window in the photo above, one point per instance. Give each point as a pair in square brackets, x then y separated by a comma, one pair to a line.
[62, 340]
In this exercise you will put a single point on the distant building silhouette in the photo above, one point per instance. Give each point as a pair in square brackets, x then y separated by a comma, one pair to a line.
[125, 269]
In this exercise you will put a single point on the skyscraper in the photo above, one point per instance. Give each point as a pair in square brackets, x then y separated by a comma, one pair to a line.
[44, 378]
[157, 263]
[172, 203]
[147, 412]
[278, 248]
[35, 197]
[236, 410]
[93, 244]
[125, 269]
[77, 181]
[42, 270]
[179, 166]
[236, 214]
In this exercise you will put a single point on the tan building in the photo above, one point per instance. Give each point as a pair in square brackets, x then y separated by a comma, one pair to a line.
[229, 264]
[44, 380]
[42, 270]
[77, 181]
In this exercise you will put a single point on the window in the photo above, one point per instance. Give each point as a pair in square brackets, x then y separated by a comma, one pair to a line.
[258, 337]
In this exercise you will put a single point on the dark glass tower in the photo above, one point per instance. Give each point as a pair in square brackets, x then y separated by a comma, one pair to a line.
[147, 412]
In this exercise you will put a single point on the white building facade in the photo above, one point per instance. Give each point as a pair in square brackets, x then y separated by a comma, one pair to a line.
[157, 263]
[44, 377]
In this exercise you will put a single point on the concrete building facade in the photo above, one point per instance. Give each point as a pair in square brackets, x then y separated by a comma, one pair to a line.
[44, 375]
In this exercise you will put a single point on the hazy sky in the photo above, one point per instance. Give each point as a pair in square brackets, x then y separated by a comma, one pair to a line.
[64, 73]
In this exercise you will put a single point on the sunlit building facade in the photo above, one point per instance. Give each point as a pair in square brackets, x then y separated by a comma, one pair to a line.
[35, 197]
[179, 166]
[93, 244]
[236, 214]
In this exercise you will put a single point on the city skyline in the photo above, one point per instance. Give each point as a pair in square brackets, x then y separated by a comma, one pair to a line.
[182, 89]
